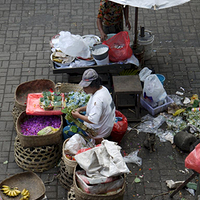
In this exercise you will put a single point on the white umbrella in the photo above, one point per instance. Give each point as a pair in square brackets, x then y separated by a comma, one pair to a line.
[149, 4]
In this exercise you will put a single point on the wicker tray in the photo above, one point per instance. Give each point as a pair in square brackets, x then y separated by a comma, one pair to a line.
[37, 140]
[70, 164]
[37, 159]
[68, 87]
[35, 86]
[28, 180]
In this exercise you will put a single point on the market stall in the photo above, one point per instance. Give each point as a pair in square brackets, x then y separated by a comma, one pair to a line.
[79, 55]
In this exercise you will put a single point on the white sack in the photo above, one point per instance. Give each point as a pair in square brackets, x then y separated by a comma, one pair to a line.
[103, 160]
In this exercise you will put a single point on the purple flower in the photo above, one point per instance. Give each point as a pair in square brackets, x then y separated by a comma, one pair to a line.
[33, 124]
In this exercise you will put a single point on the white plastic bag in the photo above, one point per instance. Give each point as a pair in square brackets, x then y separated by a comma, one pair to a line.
[73, 45]
[75, 143]
[133, 158]
[133, 60]
[144, 73]
[153, 89]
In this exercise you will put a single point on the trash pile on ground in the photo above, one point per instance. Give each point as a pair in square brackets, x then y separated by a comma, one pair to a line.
[179, 113]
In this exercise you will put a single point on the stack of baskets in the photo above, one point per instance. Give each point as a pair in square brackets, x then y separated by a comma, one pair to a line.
[35, 153]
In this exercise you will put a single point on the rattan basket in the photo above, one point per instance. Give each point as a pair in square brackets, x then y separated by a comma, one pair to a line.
[37, 140]
[81, 195]
[71, 194]
[35, 86]
[37, 159]
[65, 179]
[70, 164]
[15, 113]
[28, 180]
[68, 87]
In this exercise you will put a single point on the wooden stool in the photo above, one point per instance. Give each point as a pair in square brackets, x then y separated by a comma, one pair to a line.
[131, 85]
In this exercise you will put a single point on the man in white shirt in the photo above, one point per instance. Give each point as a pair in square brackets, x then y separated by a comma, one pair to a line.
[100, 110]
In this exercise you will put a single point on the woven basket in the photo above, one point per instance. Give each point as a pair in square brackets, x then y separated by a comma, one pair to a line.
[70, 164]
[37, 159]
[71, 194]
[37, 140]
[25, 180]
[35, 86]
[81, 195]
[65, 179]
[15, 113]
[68, 87]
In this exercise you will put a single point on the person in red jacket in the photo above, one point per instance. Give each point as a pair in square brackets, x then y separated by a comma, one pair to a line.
[110, 18]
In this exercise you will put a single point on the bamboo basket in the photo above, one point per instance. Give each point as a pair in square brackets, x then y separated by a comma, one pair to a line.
[68, 87]
[37, 140]
[15, 113]
[36, 159]
[71, 194]
[70, 164]
[81, 195]
[35, 86]
[28, 180]
[65, 179]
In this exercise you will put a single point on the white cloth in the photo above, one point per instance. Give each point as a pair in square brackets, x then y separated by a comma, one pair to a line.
[101, 112]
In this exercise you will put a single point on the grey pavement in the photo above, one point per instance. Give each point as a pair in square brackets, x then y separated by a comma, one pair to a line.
[26, 27]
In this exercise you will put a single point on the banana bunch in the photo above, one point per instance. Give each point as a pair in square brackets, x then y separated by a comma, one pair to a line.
[11, 192]
[25, 194]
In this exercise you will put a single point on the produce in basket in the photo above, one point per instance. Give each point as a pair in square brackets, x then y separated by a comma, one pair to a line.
[9, 191]
[25, 194]
[51, 101]
[75, 100]
[33, 125]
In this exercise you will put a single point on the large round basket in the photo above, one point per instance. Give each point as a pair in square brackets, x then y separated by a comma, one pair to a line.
[37, 159]
[81, 195]
[35, 86]
[65, 179]
[68, 87]
[70, 164]
[37, 140]
[28, 180]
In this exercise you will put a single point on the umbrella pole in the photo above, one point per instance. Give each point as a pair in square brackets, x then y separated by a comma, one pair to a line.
[136, 27]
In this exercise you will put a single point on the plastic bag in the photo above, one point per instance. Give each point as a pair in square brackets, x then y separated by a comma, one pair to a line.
[119, 128]
[133, 60]
[47, 130]
[75, 143]
[192, 161]
[119, 47]
[153, 89]
[144, 73]
[73, 45]
[133, 158]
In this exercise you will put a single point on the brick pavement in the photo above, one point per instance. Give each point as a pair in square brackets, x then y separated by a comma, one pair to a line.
[26, 28]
